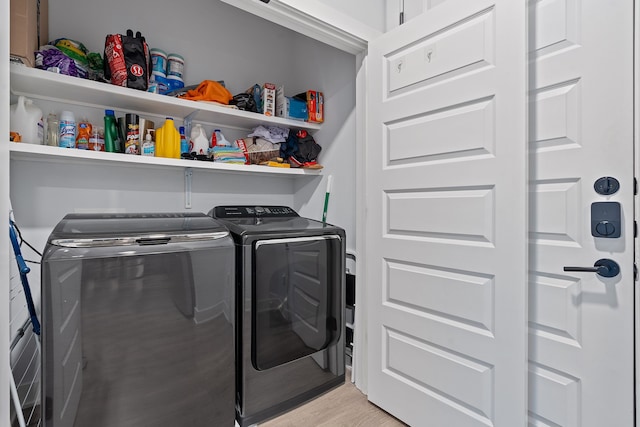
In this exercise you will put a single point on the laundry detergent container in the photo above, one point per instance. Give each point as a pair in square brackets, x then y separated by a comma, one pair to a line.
[138, 320]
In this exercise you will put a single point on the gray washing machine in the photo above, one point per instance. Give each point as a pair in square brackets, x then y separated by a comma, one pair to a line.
[290, 274]
[137, 330]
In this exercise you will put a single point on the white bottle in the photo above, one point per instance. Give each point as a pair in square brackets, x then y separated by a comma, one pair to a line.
[218, 139]
[148, 146]
[68, 130]
[199, 142]
[26, 119]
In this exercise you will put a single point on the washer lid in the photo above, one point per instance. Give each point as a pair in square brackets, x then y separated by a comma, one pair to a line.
[96, 230]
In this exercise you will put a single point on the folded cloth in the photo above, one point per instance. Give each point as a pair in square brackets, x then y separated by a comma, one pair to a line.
[209, 90]
[228, 154]
[273, 134]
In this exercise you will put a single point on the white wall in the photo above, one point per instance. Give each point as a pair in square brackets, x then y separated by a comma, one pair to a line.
[338, 140]
[369, 12]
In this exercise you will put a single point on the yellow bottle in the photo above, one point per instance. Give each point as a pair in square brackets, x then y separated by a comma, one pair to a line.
[168, 140]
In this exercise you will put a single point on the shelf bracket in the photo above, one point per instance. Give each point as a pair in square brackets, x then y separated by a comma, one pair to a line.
[188, 174]
[187, 122]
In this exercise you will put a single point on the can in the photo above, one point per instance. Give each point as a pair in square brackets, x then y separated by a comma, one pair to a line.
[67, 134]
[132, 126]
[158, 62]
[175, 66]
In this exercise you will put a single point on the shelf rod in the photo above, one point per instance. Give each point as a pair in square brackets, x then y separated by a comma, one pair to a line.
[188, 174]
[187, 123]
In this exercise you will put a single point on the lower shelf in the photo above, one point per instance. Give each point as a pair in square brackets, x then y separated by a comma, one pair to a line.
[24, 151]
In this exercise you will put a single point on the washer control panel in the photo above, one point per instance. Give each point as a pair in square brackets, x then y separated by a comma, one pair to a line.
[253, 211]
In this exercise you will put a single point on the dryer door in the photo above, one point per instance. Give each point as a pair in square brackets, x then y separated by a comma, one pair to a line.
[296, 298]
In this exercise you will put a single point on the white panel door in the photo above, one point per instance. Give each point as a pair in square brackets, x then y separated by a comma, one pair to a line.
[446, 216]
[581, 338]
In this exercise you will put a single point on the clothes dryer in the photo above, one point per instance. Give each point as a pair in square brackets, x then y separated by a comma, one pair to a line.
[290, 290]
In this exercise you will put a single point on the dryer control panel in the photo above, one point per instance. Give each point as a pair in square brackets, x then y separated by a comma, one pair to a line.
[227, 212]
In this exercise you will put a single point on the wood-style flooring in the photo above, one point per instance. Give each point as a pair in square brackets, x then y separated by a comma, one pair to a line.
[344, 406]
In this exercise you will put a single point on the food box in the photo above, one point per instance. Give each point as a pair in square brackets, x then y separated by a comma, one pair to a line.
[315, 105]
[23, 24]
[269, 99]
[290, 108]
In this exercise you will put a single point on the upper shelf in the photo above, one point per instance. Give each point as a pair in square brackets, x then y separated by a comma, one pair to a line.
[36, 83]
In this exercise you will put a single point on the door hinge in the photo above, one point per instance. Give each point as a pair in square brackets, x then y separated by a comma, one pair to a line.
[635, 272]
[635, 229]
[635, 186]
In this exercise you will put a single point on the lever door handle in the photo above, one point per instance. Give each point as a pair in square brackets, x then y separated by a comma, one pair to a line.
[604, 267]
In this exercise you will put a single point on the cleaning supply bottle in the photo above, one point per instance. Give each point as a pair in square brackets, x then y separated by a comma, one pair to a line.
[184, 144]
[68, 130]
[148, 146]
[112, 143]
[217, 138]
[26, 119]
[199, 142]
[53, 130]
[84, 134]
[168, 140]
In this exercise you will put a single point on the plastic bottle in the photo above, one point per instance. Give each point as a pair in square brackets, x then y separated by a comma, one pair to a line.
[53, 129]
[84, 134]
[96, 142]
[184, 144]
[199, 142]
[68, 130]
[26, 119]
[112, 143]
[148, 146]
[217, 138]
[168, 140]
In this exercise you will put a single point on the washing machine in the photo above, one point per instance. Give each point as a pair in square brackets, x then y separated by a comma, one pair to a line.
[138, 313]
[290, 290]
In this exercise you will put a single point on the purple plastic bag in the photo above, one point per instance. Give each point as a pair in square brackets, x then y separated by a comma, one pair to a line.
[51, 57]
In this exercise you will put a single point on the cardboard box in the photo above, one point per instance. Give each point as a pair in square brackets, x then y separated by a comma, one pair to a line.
[269, 99]
[315, 105]
[24, 29]
[290, 108]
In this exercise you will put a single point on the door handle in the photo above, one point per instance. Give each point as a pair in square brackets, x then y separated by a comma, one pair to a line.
[604, 267]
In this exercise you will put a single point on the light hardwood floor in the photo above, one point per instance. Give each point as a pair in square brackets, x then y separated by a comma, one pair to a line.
[344, 406]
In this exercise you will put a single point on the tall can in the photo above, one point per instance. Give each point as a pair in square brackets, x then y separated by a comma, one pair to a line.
[132, 131]
[158, 62]
[175, 66]
[67, 136]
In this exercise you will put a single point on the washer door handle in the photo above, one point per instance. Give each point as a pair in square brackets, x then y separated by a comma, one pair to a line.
[604, 267]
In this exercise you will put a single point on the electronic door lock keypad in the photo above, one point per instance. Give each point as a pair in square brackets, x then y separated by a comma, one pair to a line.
[606, 220]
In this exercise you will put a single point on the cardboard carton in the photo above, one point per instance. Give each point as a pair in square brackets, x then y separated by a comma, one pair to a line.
[24, 29]
[315, 105]
[290, 108]
[269, 99]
